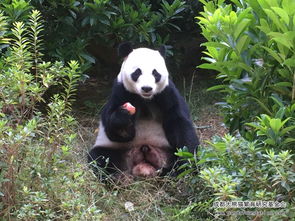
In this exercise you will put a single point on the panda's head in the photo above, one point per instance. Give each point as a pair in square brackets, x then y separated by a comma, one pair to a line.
[143, 71]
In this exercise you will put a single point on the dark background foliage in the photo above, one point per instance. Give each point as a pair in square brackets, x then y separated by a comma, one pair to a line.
[90, 30]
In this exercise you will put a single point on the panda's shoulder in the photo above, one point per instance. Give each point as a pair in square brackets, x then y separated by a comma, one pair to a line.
[171, 92]
[171, 98]
[121, 94]
[118, 89]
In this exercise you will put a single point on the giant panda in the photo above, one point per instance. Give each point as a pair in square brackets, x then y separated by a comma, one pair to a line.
[144, 120]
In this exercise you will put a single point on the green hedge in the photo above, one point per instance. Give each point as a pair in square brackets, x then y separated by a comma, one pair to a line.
[251, 44]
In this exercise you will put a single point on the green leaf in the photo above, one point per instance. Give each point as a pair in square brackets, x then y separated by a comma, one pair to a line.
[220, 146]
[270, 141]
[241, 27]
[288, 140]
[237, 3]
[286, 120]
[213, 52]
[211, 60]
[88, 58]
[290, 62]
[186, 172]
[288, 129]
[175, 26]
[276, 20]
[207, 157]
[255, 125]
[290, 35]
[243, 66]
[184, 154]
[281, 39]
[288, 6]
[262, 105]
[215, 44]
[263, 3]
[276, 125]
[242, 43]
[216, 87]
[272, 3]
[264, 26]
[274, 54]
[285, 185]
[282, 13]
[210, 67]
[283, 84]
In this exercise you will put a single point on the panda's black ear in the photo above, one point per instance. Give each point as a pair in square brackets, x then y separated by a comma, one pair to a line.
[124, 49]
[162, 50]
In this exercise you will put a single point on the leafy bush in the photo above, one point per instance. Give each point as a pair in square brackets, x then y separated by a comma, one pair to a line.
[38, 178]
[272, 131]
[251, 45]
[72, 26]
[16, 10]
[239, 170]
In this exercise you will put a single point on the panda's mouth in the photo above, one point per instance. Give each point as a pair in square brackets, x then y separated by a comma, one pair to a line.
[147, 95]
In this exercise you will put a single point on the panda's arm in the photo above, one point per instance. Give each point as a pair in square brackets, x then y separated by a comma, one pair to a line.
[177, 123]
[118, 123]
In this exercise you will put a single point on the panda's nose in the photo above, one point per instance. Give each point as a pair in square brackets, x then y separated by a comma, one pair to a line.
[146, 89]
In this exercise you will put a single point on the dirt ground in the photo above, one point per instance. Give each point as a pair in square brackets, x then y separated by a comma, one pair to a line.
[210, 125]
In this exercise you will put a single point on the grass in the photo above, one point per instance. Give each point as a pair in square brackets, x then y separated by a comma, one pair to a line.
[152, 199]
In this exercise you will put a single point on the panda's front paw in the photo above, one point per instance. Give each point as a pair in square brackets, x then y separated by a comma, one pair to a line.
[121, 126]
[121, 118]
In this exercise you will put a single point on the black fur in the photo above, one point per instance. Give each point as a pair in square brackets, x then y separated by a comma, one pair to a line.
[157, 76]
[124, 49]
[177, 124]
[119, 125]
[135, 75]
[100, 156]
[162, 51]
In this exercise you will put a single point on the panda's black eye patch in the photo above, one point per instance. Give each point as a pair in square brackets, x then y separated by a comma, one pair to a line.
[157, 76]
[135, 75]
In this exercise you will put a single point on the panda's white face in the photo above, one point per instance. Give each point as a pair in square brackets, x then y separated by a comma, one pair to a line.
[144, 72]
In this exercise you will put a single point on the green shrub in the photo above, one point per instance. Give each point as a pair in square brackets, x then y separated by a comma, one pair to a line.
[239, 170]
[16, 10]
[251, 45]
[71, 26]
[38, 178]
[273, 132]
[90, 30]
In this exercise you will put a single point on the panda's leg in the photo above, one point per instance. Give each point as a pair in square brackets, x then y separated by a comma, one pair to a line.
[106, 159]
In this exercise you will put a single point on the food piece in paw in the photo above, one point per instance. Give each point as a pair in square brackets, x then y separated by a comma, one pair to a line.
[129, 107]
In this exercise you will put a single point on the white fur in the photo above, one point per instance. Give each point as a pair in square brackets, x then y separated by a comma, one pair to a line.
[146, 60]
[148, 132]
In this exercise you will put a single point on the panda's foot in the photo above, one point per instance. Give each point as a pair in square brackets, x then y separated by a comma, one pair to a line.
[144, 170]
